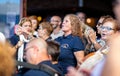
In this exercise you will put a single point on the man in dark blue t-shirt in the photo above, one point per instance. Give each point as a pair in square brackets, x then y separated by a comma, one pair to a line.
[36, 53]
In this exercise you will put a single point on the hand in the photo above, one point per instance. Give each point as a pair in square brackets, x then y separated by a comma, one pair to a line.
[73, 72]
[92, 36]
[89, 41]
[19, 44]
[18, 30]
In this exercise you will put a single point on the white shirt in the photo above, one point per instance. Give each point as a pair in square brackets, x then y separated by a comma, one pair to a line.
[54, 36]
[2, 37]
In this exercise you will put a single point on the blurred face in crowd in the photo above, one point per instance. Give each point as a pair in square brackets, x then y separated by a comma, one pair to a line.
[56, 21]
[34, 24]
[41, 31]
[26, 27]
[45, 29]
[107, 30]
[66, 25]
[81, 17]
[99, 24]
[116, 9]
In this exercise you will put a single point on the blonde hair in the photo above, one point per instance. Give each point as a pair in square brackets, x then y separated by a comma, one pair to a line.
[23, 20]
[7, 64]
[76, 25]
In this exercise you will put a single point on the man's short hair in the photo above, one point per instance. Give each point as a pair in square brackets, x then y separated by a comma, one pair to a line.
[53, 50]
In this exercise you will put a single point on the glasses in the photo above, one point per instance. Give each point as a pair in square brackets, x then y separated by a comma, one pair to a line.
[106, 28]
[99, 23]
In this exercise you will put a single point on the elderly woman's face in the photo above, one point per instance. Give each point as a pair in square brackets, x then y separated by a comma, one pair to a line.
[66, 25]
[107, 30]
[34, 24]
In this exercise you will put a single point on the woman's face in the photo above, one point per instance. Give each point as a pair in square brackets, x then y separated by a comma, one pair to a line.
[107, 30]
[99, 25]
[66, 25]
[34, 24]
[41, 31]
[26, 27]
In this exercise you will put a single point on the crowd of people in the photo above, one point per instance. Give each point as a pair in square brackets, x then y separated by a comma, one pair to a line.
[67, 47]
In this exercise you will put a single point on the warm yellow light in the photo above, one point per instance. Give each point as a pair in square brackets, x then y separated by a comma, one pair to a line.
[39, 18]
[89, 20]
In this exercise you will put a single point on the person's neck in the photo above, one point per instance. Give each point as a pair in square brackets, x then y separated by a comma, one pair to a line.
[45, 37]
[56, 30]
[33, 31]
[67, 33]
[54, 62]
[25, 35]
[41, 60]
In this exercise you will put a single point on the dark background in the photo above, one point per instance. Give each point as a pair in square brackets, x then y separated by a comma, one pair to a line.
[93, 8]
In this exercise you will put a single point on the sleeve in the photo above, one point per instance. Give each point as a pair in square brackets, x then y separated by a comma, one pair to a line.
[78, 44]
[58, 39]
[14, 40]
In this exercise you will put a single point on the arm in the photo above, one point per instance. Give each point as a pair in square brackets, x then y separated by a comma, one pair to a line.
[79, 56]
[92, 36]
[18, 44]
[78, 50]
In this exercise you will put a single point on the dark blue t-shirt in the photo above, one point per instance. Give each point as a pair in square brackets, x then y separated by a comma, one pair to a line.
[69, 45]
[14, 39]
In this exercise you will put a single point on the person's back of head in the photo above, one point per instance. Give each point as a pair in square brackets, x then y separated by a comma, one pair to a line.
[7, 64]
[53, 50]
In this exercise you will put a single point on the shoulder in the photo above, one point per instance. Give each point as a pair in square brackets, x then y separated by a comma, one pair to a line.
[59, 38]
[76, 38]
[35, 73]
[14, 39]
[77, 44]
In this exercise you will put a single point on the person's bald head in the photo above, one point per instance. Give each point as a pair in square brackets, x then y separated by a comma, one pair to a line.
[38, 42]
[36, 51]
